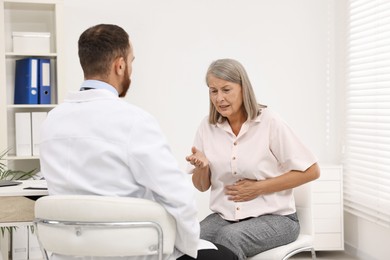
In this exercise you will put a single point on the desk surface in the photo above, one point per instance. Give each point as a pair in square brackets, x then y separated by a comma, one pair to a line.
[19, 190]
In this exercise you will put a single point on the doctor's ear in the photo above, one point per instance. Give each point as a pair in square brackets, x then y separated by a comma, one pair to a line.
[120, 66]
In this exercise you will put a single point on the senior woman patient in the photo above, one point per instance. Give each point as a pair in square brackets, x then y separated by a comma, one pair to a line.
[251, 159]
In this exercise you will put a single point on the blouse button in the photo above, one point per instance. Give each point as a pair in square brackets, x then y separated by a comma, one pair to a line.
[238, 208]
[234, 158]
[235, 143]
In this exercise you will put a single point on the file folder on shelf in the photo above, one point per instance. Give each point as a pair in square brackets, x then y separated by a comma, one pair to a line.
[37, 119]
[23, 133]
[44, 82]
[26, 81]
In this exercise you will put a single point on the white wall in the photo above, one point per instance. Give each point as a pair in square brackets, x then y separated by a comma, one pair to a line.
[365, 239]
[283, 44]
[287, 47]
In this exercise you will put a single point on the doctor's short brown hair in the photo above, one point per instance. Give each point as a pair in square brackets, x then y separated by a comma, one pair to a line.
[99, 46]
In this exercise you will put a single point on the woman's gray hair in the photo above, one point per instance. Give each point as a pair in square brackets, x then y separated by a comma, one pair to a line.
[232, 71]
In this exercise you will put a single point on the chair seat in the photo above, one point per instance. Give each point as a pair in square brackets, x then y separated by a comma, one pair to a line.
[101, 226]
[303, 243]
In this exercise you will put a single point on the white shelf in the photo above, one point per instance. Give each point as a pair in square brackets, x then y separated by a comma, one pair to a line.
[15, 158]
[18, 54]
[31, 106]
[34, 2]
[27, 16]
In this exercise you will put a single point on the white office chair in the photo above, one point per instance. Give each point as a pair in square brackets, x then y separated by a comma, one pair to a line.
[89, 225]
[304, 242]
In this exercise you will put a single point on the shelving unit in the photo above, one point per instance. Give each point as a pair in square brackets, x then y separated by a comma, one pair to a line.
[26, 16]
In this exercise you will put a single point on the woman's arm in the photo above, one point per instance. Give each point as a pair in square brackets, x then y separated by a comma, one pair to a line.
[201, 178]
[245, 190]
[201, 174]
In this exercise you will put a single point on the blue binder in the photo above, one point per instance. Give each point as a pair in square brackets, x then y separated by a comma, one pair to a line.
[44, 82]
[26, 81]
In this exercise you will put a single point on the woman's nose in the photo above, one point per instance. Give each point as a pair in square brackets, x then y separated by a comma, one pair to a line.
[220, 96]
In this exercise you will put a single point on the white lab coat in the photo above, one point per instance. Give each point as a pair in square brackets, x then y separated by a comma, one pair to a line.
[96, 143]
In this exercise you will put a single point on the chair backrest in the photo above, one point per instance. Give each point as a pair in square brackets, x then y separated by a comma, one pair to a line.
[303, 203]
[88, 225]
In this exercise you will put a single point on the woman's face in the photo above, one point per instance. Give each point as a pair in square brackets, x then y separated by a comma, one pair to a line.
[226, 97]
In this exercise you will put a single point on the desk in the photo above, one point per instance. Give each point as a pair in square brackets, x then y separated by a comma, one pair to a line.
[17, 206]
[17, 203]
[19, 190]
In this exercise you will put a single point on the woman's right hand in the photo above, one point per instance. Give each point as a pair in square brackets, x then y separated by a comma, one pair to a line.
[197, 158]
[201, 174]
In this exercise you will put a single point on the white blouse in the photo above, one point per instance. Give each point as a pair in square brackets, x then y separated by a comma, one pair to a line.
[265, 147]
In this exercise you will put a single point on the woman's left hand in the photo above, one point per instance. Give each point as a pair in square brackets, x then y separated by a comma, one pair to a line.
[243, 190]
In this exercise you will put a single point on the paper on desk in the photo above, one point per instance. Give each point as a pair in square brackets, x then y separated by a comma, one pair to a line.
[36, 185]
[204, 244]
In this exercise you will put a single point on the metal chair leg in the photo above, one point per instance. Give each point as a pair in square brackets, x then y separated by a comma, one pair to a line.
[313, 254]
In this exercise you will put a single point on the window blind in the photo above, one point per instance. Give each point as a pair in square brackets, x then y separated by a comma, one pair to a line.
[367, 140]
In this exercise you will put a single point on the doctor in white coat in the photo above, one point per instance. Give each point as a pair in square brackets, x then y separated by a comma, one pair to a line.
[96, 143]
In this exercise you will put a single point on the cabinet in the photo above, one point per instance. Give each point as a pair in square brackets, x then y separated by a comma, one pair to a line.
[328, 215]
[35, 16]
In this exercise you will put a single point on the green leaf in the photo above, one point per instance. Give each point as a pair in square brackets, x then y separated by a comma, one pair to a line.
[9, 174]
